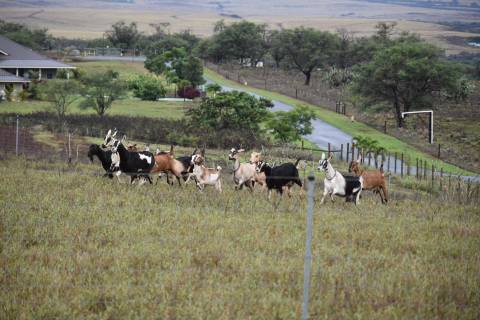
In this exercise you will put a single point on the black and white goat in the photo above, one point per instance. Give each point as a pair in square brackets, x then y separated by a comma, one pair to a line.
[280, 177]
[134, 164]
[336, 184]
[110, 161]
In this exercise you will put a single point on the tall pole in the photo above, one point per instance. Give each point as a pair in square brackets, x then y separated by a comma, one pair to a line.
[308, 246]
[17, 135]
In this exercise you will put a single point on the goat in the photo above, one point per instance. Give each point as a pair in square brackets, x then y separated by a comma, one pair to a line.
[280, 177]
[372, 180]
[336, 184]
[133, 164]
[205, 176]
[110, 161]
[165, 163]
[243, 173]
[259, 177]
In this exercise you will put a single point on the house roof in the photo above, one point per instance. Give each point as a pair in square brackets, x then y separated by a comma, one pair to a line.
[7, 77]
[14, 55]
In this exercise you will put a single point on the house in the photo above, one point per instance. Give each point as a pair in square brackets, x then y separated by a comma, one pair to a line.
[18, 64]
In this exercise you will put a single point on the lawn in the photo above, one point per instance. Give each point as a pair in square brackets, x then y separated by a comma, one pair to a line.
[125, 107]
[126, 69]
[390, 143]
[75, 245]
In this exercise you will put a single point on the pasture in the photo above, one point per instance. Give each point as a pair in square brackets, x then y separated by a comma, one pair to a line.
[76, 245]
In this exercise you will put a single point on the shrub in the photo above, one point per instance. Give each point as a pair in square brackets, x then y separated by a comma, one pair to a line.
[188, 92]
[147, 87]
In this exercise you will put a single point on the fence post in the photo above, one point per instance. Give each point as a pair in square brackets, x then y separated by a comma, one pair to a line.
[353, 151]
[433, 176]
[69, 149]
[362, 160]
[329, 149]
[395, 166]
[369, 158]
[416, 170]
[439, 151]
[401, 167]
[468, 191]
[341, 152]
[441, 178]
[385, 127]
[348, 150]
[302, 144]
[388, 162]
[425, 170]
[17, 135]
[407, 162]
[308, 244]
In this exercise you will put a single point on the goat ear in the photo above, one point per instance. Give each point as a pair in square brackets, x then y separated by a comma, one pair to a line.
[202, 153]
[194, 151]
[330, 156]
[323, 156]
[123, 138]
[114, 134]
[109, 133]
[171, 149]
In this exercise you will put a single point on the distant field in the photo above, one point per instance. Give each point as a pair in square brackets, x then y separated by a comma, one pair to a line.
[69, 19]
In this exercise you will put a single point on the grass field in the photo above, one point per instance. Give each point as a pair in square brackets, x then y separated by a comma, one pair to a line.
[75, 245]
[390, 143]
[126, 69]
[124, 107]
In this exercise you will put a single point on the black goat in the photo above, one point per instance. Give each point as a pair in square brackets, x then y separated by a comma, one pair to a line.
[105, 158]
[134, 164]
[280, 177]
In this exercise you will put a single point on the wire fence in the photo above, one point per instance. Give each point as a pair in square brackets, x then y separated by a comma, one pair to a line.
[20, 137]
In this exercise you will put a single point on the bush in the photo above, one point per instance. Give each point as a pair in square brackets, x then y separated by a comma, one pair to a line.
[188, 92]
[147, 88]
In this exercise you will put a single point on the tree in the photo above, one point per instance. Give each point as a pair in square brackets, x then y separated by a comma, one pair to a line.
[102, 89]
[33, 38]
[213, 89]
[406, 75]
[308, 49]
[230, 110]
[61, 93]
[122, 35]
[245, 41]
[177, 65]
[147, 87]
[291, 125]
[275, 47]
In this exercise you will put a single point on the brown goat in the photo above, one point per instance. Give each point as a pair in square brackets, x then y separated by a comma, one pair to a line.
[372, 180]
[166, 163]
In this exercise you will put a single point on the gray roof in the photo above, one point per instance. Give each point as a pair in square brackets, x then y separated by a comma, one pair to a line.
[14, 55]
[7, 77]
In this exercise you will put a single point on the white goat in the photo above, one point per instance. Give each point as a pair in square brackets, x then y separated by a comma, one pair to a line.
[243, 173]
[336, 184]
[204, 175]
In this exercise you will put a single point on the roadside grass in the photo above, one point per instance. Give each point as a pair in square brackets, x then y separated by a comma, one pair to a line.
[125, 107]
[78, 245]
[390, 143]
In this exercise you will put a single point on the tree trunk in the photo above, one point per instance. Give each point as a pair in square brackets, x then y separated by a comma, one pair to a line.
[398, 111]
[308, 75]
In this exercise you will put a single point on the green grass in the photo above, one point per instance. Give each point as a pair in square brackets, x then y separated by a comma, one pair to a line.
[79, 246]
[126, 107]
[126, 69]
[390, 143]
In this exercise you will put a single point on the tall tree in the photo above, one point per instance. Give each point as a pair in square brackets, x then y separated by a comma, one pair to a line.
[308, 49]
[122, 35]
[406, 75]
[61, 93]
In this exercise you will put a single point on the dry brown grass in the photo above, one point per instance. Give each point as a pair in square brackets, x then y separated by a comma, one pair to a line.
[91, 20]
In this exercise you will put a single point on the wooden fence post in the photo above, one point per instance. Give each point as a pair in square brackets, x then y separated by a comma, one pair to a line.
[433, 176]
[408, 166]
[302, 144]
[401, 167]
[341, 152]
[329, 149]
[369, 158]
[424, 169]
[395, 164]
[385, 127]
[388, 162]
[439, 151]
[348, 150]
[416, 170]
[441, 178]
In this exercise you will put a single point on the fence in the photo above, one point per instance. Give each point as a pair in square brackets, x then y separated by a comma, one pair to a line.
[71, 145]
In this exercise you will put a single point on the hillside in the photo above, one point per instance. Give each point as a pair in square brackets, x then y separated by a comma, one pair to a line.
[67, 18]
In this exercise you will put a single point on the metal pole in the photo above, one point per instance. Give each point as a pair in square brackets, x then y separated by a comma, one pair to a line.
[308, 245]
[17, 135]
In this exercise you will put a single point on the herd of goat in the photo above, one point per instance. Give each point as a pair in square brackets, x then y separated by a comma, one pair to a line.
[116, 158]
